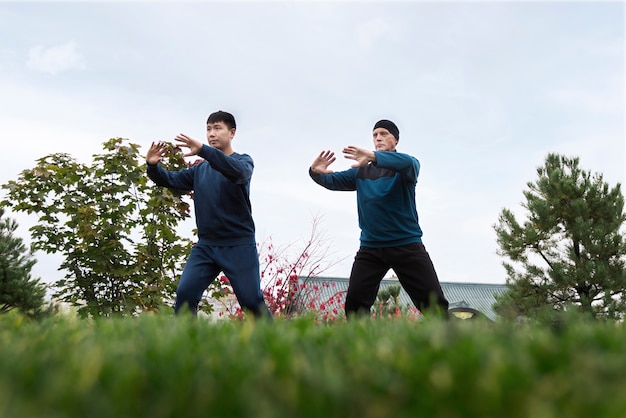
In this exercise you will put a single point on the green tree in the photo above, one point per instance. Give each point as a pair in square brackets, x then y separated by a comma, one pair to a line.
[387, 304]
[17, 289]
[569, 252]
[115, 230]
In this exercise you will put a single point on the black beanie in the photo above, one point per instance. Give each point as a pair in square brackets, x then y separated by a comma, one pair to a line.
[390, 126]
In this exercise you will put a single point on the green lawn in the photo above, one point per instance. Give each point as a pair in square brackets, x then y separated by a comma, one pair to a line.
[161, 366]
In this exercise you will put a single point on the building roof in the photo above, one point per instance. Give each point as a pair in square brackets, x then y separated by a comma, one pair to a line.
[478, 296]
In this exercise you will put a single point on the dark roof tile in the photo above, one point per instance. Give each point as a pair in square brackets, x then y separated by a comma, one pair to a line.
[479, 296]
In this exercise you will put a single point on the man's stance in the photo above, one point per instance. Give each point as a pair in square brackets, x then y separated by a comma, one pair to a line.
[226, 231]
[391, 237]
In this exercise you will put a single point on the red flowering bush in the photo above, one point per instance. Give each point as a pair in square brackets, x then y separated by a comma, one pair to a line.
[387, 305]
[383, 311]
[285, 275]
[222, 298]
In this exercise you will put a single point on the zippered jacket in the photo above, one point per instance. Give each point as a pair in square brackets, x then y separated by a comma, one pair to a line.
[385, 193]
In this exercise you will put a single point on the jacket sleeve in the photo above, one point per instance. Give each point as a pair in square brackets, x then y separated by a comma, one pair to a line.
[341, 180]
[405, 164]
[237, 168]
[181, 180]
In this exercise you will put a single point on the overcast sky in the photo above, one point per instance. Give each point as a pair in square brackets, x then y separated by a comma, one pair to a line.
[481, 93]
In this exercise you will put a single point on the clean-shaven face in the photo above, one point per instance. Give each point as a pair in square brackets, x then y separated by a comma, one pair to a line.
[219, 136]
[383, 140]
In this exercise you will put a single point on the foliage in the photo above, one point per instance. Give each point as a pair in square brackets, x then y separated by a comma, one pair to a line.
[115, 230]
[570, 251]
[389, 296]
[388, 305]
[158, 366]
[18, 290]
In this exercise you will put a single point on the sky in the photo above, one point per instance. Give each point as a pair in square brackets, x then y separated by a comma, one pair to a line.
[481, 93]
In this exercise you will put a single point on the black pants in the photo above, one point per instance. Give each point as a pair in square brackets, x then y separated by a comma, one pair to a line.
[414, 269]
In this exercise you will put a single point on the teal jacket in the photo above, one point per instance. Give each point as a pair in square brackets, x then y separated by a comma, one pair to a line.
[385, 194]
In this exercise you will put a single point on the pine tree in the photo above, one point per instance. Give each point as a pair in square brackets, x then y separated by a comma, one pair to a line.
[17, 289]
[569, 252]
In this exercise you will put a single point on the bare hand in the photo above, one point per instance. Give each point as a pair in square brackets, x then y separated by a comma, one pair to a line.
[184, 141]
[362, 156]
[155, 152]
[190, 164]
[321, 163]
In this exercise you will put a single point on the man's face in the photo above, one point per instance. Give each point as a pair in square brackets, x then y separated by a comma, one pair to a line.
[383, 140]
[219, 136]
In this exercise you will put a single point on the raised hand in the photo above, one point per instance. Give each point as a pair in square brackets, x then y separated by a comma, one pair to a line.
[322, 161]
[193, 144]
[190, 164]
[362, 156]
[155, 152]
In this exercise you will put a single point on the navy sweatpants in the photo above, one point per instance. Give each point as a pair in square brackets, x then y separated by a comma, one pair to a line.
[239, 263]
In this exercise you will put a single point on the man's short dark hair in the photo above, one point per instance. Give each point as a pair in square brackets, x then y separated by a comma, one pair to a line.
[221, 116]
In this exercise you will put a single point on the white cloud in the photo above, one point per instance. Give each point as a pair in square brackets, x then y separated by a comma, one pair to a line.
[481, 92]
[55, 59]
[371, 31]
[584, 98]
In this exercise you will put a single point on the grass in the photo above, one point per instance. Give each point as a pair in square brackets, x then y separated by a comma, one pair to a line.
[161, 366]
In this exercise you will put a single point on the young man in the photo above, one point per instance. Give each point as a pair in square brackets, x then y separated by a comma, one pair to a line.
[226, 231]
[391, 237]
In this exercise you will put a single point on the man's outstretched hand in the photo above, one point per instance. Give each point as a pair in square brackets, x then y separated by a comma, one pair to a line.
[193, 144]
[362, 156]
[155, 152]
[321, 163]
